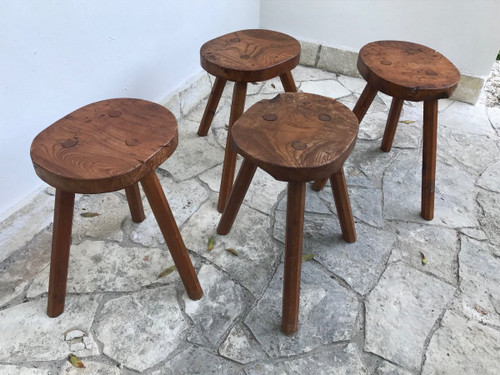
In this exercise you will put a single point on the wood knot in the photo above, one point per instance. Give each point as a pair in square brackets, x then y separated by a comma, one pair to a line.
[114, 113]
[276, 99]
[132, 142]
[298, 145]
[234, 40]
[386, 62]
[68, 143]
[324, 117]
[270, 117]
[431, 72]
[245, 57]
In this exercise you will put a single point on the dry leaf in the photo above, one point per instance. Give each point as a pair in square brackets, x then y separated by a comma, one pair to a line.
[480, 310]
[407, 121]
[75, 361]
[211, 242]
[167, 271]
[232, 251]
[423, 258]
[89, 214]
[307, 257]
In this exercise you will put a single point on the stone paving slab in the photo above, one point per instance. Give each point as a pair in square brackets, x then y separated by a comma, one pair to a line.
[371, 307]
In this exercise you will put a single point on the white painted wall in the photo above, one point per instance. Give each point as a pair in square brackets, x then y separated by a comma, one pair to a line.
[56, 56]
[466, 31]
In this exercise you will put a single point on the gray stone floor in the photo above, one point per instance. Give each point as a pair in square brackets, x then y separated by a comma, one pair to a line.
[371, 307]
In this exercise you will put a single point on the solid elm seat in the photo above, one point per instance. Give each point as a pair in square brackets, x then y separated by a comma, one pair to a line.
[244, 56]
[413, 72]
[295, 137]
[103, 147]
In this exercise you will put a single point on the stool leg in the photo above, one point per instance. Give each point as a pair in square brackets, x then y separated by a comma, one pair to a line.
[293, 256]
[343, 205]
[319, 185]
[213, 102]
[392, 124]
[429, 158]
[135, 203]
[238, 193]
[59, 257]
[288, 82]
[170, 231]
[364, 102]
[237, 107]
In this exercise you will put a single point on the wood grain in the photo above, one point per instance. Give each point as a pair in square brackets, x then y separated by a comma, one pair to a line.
[407, 70]
[105, 146]
[296, 136]
[429, 158]
[250, 55]
[213, 102]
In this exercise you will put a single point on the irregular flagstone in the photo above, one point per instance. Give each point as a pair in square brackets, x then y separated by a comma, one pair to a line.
[240, 346]
[474, 233]
[17, 370]
[195, 360]
[222, 303]
[193, 155]
[16, 275]
[439, 246]
[490, 204]
[373, 125]
[338, 361]
[106, 225]
[480, 281]
[327, 314]
[490, 179]
[494, 116]
[313, 202]
[360, 264]
[257, 252]
[387, 368]
[264, 191]
[304, 73]
[454, 196]
[91, 368]
[150, 317]
[353, 84]
[466, 118]
[183, 205]
[462, 346]
[20, 228]
[213, 176]
[330, 88]
[475, 152]
[28, 334]
[97, 266]
[400, 313]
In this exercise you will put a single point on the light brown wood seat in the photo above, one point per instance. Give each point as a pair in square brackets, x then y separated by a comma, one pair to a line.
[295, 137]
[103, 147]
[413, 72]
[244, 56]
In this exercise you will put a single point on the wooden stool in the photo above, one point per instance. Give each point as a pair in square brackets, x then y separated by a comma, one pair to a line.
[295, 137]
[242, 57]
[103, 147]
[407, 71]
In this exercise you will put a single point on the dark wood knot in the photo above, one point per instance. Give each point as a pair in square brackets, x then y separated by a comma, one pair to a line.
[386, 62]
[324, 117]
[431, 72]
[132, 142]
[68, 143]
[298, 145]
[234, 40]
[114, 113]
[270, 117]
[245, 57]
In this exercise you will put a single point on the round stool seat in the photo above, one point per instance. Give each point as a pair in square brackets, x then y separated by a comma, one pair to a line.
[105, 146]
[407, 70]
[250, 55]
[296, 136]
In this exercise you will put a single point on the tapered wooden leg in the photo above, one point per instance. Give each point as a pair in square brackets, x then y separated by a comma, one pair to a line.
[343, 205]
[213, 102]
[59, 257]
[319, 185]
[135, 203]
[364, 102]
[288, 82]
[170, 231]
[237, 107]
[392, 124]
[293, 256]
[429, 158]
[238, 192]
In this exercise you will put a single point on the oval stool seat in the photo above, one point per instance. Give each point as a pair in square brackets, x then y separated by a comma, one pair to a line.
[295, 137]
[103, 147]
